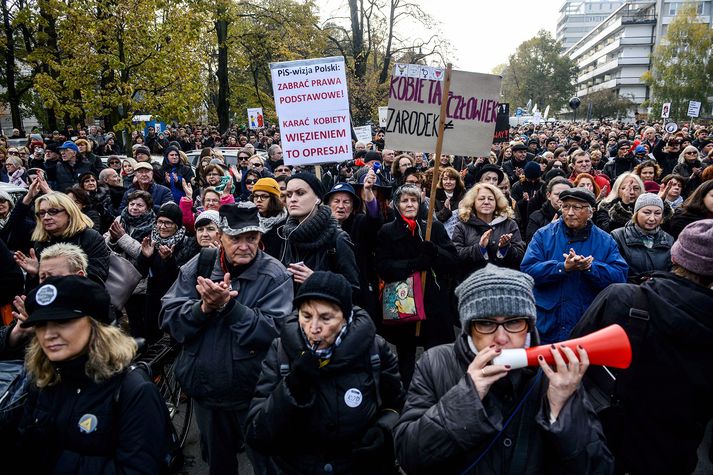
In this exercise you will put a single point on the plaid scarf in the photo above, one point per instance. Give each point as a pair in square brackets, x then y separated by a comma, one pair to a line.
[325, 354]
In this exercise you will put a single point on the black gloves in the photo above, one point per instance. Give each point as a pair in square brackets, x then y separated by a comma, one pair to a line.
[373, 441]
[303, 377]
[428, 248]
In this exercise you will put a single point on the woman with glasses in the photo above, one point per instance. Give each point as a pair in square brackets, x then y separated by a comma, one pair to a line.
[466, 413]
[689, 163]
[272, 213]
[16, 173]
[398, 168]
[59, 219]
[114, 162]
[250, 178]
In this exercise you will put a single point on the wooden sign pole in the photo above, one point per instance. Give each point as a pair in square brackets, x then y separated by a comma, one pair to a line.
[436, 164]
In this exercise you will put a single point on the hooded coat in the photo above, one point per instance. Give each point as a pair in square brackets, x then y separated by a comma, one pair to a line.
[649, 435]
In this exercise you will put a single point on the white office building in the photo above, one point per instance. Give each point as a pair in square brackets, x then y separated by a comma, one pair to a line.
[577, 18]
[617, 52]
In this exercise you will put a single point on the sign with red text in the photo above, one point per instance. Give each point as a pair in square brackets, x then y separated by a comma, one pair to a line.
[312, 106]
[415, 95]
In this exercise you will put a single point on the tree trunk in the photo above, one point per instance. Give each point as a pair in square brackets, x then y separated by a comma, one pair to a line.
[223, 106]
[48, 41]
[12, 97]
[357, 40]
[387, 54]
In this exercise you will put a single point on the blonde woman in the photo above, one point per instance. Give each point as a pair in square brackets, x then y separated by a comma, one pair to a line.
[689, 163]
[59, 219]
[88, 413]
[617, 208]
[485, 232]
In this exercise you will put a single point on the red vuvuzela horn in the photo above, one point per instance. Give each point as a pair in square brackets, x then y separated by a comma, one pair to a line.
[607, 347]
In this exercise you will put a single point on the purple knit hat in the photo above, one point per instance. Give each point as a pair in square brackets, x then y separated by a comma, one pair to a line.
[693, 250]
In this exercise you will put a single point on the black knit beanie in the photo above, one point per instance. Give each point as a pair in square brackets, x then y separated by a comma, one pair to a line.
[171, 211]
[312, 180]
[326, 286]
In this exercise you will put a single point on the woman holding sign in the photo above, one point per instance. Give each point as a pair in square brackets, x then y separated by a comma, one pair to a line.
[403, 257]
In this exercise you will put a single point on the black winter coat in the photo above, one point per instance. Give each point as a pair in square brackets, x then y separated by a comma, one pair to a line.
[641, 259]
[680, 219]
[129, 435]
[466, 239]
[321, 244]
[441, 212]
[649, 435]
[308, 438]
[65, 175]
[399, 254]
[19, 227]
[539, 219]
[618, 166]
[92, 243]
[445, 426]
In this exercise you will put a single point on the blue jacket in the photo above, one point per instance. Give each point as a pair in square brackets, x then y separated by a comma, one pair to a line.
[562, 297]
[159, 193]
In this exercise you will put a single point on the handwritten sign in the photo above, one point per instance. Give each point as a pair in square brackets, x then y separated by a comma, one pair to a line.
[502, 124]
[312, 105]
[694, 108]
[415, 95]
[363, 133]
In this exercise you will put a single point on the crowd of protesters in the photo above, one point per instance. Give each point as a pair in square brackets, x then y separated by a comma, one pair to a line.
[273, 279]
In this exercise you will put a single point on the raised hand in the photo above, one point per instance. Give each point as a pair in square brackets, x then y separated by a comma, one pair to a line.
[484, 374]
[147, 247]
[565, 381]
[29, 264]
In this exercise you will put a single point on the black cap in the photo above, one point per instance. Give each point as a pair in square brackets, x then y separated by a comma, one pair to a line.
[518, 146]
[312, 180]
[489, 168]
[239, 218]
[327, 286]
[372, 155]
[65, 298]
[579, 194]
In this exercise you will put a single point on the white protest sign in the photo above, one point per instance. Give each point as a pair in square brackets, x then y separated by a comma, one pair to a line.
[415, 94]
[363, 133]
[255, 118]
[694, 108]
[313, 109]
[537, 118]
[666, 110]
[383, 115]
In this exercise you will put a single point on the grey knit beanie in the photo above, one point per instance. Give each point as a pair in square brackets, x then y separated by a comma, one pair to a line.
[496, 291]
[648, 199]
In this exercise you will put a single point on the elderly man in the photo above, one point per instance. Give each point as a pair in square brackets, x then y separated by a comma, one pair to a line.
[144, 181]
[226, 321]
[571, 261]
[66, 172]
[274, 158]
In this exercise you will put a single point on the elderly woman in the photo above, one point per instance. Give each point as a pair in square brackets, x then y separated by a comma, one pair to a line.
[312, 238]
[330, 376]
[449, 192]
[617, 208]
[132, 226]
[465, 413]
[266, 196]
[59, 219]
[16, 173]
[402, 251]
[486, 232]
[642, 243]
[90, 412]
[689, 163]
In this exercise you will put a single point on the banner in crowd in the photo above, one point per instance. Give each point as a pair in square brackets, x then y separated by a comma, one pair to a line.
[502, 124]
[255, 118]
[363, 134]
[383, 115]
[694, 108]
[312, 106]
[415, 94]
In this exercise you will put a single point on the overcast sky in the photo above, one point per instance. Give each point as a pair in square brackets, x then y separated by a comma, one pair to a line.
[483, 32]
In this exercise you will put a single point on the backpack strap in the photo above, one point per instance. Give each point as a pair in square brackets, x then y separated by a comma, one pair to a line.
[375, 362]
[206, 262]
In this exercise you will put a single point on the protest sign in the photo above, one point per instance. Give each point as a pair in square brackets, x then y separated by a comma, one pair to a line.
[363, 133]
[255, 118]
[415, 94]
[665, 110]
[383, 115]
[694, 108]
[502, 124]
[312, 106]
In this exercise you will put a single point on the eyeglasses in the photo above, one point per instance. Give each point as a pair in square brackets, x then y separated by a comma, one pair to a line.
[256, 164]
[488, 327]
[242, 159]
[164, 224]
[51, 212]
[577, 208]
[692, 152]
[261, 197]
[250, 182]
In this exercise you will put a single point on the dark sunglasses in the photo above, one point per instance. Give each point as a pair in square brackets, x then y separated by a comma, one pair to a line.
[250, 182]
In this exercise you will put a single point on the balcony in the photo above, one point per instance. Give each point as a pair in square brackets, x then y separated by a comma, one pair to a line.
[636, 40]
[599, 70]
[634, 61]
[634, 18]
